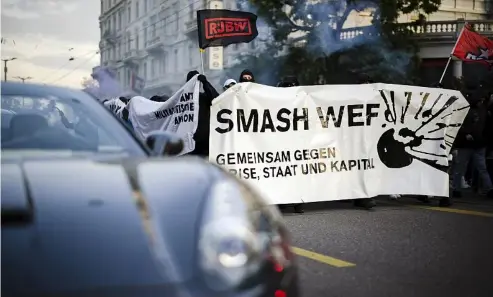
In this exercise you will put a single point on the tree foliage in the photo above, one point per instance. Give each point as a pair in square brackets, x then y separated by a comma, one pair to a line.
[385, 51]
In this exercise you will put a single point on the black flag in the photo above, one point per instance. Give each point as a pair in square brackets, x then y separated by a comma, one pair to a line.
[221, 27]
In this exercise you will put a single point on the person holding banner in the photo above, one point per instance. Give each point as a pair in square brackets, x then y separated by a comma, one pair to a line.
[201, 135]
[246, 76]
[286, 82]
[228, 84]
[471, 143]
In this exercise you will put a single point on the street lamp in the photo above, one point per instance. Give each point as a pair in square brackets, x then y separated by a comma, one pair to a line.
[5, 61]
[23, 78]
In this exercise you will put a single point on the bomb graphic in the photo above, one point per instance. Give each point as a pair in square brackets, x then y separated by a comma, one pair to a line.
[399, 146]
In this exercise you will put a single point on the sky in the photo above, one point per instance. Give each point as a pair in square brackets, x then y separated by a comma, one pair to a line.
[44, 34]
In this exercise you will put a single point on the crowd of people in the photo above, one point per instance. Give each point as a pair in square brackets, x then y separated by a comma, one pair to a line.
[472, 154]
[473, 146]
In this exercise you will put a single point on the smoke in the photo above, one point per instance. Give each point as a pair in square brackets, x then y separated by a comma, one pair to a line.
[264, 74]
[324, 29]
[108, 87]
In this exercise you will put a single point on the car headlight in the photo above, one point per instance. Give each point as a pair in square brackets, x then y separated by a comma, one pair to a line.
[229, 246]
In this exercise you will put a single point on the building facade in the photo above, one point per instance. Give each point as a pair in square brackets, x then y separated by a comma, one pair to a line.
[438, 35]
[157, 41]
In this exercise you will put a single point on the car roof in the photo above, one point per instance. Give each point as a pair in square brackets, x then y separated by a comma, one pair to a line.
[37, 89]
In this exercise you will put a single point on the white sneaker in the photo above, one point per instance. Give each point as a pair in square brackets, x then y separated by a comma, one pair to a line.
[395, 197]
[464, 184]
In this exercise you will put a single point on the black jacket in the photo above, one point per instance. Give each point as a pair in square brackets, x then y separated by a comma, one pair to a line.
[475, 124]
[201, 135]
[489, 128]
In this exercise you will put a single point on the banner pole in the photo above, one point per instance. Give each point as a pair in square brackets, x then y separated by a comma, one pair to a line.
[202, 60]
[452, 52]
[445, 70]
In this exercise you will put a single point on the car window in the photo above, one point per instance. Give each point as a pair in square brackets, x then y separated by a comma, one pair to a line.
[56, 123]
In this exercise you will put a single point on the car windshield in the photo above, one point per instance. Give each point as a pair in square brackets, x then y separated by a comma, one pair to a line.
[33, 124]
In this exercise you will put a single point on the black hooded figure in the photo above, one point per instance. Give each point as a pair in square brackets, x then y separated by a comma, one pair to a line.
[246, 76]
[201, 135]
[286, 82]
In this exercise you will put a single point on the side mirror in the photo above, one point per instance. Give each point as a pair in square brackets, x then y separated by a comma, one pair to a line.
[165, 143]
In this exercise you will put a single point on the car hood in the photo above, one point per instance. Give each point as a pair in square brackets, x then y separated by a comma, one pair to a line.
[77, 225]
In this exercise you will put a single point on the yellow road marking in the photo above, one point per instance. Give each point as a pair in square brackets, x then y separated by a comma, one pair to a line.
[443, 209]
[455, 210]
[321, 258]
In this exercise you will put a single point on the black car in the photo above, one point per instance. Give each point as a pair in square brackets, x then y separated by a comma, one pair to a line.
[88, 210]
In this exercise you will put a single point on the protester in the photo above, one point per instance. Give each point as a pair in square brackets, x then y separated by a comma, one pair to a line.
[489, 136]
[471, 142]
[229, 83]
[201, 135]
[364, 78]
[246, 76]
[286, 82]
[157, 98]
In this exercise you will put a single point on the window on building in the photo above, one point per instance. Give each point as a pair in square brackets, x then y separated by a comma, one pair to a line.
[144, 71]
[129, 41]
[120, 19]
[137, 4]
[191, 53]
[164, 21]
[191, 11]
[175, 17]
[164, 63]
[145, 33]
[146, 6]
[129, 14]
[137, 43]
[118, 52]
[175, 60]
[115, 25]
[153, 68]
[102, 6]
[152, 25]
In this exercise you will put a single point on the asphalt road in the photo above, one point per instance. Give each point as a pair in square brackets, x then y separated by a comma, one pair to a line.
[399, 249]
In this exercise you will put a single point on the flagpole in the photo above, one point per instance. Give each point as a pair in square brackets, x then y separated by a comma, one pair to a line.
[452, 52]
[202, 60]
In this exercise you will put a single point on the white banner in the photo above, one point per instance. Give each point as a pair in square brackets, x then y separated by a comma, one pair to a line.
[116, 106]
[334, 142]
[179, 114]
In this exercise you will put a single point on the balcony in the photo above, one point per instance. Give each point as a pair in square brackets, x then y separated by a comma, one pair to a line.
[438, 31]
[191, 27]
[110, 36]
[129, 55]
[155, 45]
[154, 82]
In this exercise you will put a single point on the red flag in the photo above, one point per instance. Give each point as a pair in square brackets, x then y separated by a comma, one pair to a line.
[473, 47]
